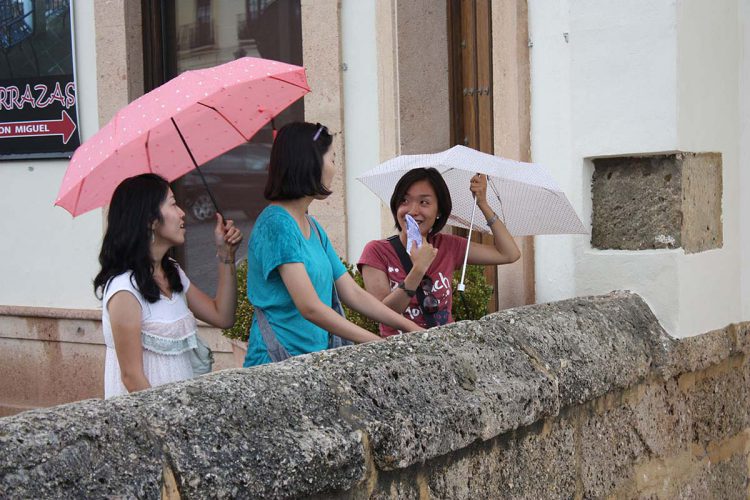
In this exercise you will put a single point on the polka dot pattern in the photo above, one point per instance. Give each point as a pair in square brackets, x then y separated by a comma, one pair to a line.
[524, 195]
[215, 109]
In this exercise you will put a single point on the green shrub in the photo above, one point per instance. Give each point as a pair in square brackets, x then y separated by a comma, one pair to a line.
[473, 304]
[244, 318]
[352, 315]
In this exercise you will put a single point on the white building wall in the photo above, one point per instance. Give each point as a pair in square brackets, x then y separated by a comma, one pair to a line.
[708, 120]
[744, 153]
[49, 259]
[361, 122]
[631, 78]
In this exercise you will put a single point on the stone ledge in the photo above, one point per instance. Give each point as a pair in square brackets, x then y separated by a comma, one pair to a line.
[51, 312]
[311, 424]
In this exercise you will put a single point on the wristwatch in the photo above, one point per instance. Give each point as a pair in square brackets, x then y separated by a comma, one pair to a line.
[410, 293]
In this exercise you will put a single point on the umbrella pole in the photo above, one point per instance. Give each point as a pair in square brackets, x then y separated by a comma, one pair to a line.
[205, 184]
[210, 194]
[461, 287]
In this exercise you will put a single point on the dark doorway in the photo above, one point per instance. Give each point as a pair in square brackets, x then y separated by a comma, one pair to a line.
[470, 49]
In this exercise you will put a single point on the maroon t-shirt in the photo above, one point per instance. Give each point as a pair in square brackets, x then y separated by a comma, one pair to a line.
[381, 255]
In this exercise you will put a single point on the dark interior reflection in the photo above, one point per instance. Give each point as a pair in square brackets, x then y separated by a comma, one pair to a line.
[207, 33]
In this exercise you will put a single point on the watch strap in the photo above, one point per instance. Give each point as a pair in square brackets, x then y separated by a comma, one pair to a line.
[402, 286]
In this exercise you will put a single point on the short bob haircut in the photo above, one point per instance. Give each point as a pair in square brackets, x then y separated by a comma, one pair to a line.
[297, 162]
[431, 175]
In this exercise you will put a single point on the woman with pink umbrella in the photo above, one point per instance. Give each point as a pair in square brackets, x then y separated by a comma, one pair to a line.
[148, 304]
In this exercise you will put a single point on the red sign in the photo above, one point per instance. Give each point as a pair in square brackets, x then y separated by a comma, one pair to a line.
[65, 127]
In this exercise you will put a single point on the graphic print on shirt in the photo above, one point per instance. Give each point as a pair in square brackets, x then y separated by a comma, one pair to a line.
[441, 289]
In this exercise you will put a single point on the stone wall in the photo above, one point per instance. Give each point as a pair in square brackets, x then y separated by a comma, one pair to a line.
[581, 398]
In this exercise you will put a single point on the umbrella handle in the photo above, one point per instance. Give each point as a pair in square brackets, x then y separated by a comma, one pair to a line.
[461, 287]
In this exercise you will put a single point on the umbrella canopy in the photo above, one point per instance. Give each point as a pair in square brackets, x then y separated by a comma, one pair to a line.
[184, 123]
[524, 195]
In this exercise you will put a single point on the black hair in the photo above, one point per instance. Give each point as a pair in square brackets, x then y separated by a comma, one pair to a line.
[134, 207]
[296, 162]
[431, 175]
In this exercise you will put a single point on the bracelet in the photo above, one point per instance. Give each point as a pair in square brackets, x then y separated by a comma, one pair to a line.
[224, 260]
[492, 219]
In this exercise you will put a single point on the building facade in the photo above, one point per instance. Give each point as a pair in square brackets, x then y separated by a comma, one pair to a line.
[639, 109]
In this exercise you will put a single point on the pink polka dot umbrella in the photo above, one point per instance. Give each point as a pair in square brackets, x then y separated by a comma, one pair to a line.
[180, 125]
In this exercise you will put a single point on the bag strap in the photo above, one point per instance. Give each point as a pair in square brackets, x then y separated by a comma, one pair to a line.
[334, 341]
[406, 263]
[276, 351]
[336, 302]
[403, 256]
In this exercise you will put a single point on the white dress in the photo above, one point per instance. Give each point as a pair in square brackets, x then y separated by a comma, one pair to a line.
[168, 334]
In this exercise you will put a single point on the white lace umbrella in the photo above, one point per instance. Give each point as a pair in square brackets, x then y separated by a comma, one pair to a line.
[524, 195]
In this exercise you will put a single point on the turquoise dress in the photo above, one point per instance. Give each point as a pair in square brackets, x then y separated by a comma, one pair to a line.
[276, 239]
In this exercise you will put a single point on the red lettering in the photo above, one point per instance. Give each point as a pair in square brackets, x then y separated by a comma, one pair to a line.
[13, 94]
[42, 89]
[38, 96]
[26, 98]
[70, 94]
[57, 95]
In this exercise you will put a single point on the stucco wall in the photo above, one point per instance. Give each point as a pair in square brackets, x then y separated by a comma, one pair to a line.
[395, 97]
[321, 53]
[53, 356]
[612, 78]
[744, 153]
[581, 398]
[708, 92]
[361, 119]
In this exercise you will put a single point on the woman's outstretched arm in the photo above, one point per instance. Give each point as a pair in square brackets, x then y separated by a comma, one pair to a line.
[369, 305]
[311, 308]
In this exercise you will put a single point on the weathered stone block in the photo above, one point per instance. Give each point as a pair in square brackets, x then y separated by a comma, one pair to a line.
[610, 446]
[659, 201]
[427, 394]
[270, 432]
[470, 410]
[81, 450]
[718, 400]
[728, 479]
[702, 351]
[660, 417]
[701, 201]
[537, 462]
[573, 339]
[401, 488]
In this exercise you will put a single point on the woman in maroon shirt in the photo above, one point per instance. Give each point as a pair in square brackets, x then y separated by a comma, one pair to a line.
[419, 285]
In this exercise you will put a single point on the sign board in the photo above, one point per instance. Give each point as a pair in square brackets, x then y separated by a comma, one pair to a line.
[38, 98]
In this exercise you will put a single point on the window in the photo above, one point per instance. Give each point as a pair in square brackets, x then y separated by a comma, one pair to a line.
[203, 34]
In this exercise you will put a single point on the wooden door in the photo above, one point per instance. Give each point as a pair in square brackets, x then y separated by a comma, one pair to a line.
[470, 46]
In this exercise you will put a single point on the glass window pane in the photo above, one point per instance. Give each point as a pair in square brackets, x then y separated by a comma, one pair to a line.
[210, 32]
